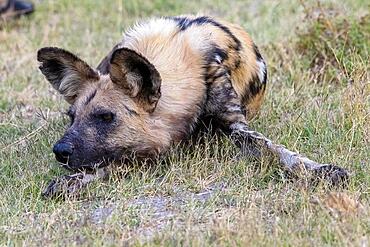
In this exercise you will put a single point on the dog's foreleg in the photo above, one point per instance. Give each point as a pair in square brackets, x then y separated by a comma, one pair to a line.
[292, 161]
[71, 185]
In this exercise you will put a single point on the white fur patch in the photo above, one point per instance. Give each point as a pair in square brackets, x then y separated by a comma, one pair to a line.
[237, 126]
[234, 108]
[218, 59]
[151, 27]
[70, 83]
[261, 69]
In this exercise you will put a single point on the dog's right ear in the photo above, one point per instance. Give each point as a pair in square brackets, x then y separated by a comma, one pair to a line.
[136, 76]
[66, 72]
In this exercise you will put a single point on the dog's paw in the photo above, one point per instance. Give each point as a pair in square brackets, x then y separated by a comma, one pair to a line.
[334, 175]
[68, 185]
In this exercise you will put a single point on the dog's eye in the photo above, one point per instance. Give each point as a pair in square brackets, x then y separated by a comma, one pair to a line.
[106, 117]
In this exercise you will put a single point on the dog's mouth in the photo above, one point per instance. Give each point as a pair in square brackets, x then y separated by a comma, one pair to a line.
[84, 166]
[91, 162]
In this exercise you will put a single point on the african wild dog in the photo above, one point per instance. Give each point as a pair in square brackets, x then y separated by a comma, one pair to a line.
[154, 88]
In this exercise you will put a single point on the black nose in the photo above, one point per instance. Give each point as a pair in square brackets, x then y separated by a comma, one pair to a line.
[62, 151]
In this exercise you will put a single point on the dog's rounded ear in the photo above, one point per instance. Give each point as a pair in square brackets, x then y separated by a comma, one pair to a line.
[65, 71]
[136, 76]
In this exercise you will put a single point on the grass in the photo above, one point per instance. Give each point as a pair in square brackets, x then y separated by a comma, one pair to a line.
[318, 102]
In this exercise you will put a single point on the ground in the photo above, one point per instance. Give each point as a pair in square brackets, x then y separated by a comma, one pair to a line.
[318, 103]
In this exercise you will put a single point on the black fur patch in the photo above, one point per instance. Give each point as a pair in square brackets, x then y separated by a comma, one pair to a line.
[264, 81]
[130, 111]
[211, 60]
[184, 23]
[91, 96]
[71, 114]
[260, 59]
[257, 52]
[53, 71]
[255, 86]
[219, 52]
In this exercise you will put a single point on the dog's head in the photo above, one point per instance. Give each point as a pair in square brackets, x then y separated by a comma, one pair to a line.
[109, 113]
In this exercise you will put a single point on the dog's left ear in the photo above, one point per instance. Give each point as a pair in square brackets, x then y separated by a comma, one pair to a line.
[66, 72]
[137, 77]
